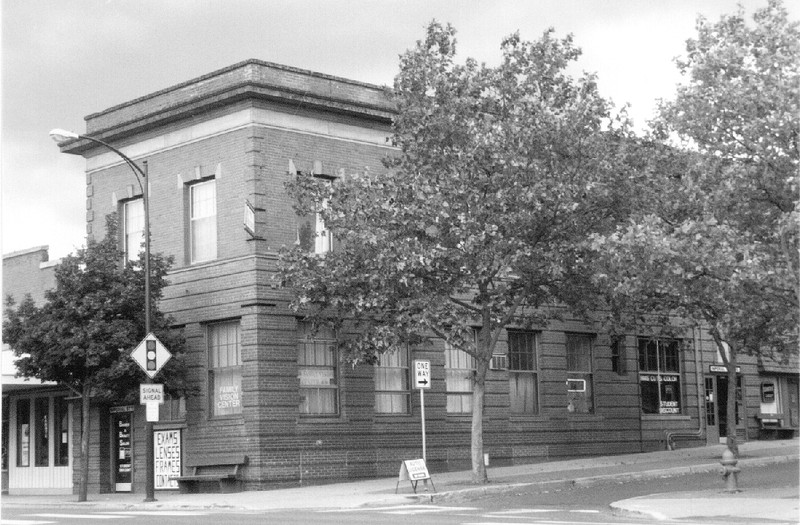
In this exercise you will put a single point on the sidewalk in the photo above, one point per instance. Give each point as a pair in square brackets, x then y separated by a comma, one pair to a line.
[455, 486]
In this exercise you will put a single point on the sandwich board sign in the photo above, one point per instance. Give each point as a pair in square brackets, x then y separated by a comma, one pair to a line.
[414, 470]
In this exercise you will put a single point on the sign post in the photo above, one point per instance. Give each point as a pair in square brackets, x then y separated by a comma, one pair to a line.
[151, 356]
[422, 381]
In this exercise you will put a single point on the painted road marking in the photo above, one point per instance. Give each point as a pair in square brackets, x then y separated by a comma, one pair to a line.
[25, 522]
[82, 516]
[162, 513]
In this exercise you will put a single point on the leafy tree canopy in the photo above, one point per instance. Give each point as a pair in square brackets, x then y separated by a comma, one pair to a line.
[718, 241]
[90, 321]
[501, 173]
[482, 215]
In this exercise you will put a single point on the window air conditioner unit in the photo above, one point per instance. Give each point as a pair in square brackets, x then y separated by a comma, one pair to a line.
[498, 362]
[576, 385]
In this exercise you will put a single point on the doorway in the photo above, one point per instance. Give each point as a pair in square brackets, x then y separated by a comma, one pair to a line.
[716, 394]
[122, 451]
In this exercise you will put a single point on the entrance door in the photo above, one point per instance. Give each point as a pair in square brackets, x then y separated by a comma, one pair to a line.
[712, 424]
[722, 404]
[794, 401]
[122, 451]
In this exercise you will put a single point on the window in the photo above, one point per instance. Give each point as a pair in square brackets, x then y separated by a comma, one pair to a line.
[523, 387]
[322, 237]
[61, 431]
[618, 355]
[173, 408]
[459, 370]
[659, 376]
[203, 220]
[6, 425]
[317, 362]
[133, 221]
[312, 234]
[23, 432]
[392, 393]
[41, 418]
[224, 369]
[579, 373]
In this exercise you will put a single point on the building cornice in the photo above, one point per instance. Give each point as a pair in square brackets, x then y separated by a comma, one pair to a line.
[252, 79]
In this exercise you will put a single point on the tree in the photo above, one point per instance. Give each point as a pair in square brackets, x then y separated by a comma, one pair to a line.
[479, 222]
[718, 242]
[82, 335]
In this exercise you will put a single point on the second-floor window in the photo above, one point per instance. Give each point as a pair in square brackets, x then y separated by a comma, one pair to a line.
[203, 221]
[133, 219]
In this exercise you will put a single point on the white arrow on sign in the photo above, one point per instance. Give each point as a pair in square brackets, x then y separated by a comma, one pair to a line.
[140, 354]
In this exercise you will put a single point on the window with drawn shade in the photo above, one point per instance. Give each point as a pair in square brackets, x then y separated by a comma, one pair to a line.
[203, 221]
[523, 385]
[659, 376]
[392, 393]
[317, 362]
[459, 369]
[224, 369]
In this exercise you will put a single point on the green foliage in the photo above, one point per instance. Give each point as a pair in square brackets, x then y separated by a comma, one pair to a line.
[482, 216]
[90, 321]
[718, 241]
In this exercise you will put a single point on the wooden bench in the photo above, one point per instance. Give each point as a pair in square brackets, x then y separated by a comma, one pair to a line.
[221, 471]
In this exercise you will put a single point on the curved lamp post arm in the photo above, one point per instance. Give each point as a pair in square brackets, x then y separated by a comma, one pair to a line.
[62, 135]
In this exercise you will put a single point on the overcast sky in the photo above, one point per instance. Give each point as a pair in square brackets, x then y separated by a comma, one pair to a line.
[65, 59]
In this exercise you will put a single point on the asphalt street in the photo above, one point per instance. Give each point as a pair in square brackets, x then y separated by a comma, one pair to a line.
[567, 505]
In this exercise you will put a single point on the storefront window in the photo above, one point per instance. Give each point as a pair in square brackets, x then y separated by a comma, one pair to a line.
[23, 432]
[61, 431]
[41, 418]
[659, 376]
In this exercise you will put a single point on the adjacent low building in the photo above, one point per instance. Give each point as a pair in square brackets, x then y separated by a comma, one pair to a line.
[218, 150]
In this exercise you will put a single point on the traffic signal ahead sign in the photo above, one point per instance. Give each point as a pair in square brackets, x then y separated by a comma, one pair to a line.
[151, 355]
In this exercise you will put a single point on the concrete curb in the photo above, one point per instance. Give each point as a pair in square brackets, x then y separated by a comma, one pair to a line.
[462, 494]
[456, 495]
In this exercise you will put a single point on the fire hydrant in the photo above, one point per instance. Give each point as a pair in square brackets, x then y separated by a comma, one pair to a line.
[730, 471]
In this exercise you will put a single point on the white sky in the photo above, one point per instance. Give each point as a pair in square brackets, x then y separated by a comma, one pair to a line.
[65, 59]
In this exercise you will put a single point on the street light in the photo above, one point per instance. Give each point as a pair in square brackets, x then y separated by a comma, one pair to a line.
[62, 135]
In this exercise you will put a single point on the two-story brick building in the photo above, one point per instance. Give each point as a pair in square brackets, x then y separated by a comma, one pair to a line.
[218, 150]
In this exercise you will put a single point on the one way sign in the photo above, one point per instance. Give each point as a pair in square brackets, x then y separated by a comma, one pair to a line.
[422, 373]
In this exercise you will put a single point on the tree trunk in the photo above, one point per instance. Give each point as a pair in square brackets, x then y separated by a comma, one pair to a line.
[83, 484]
[478, 391]
[731, 441]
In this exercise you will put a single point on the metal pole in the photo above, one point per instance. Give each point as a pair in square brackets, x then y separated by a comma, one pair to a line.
[144, 186]
[149, 470]
[422, 412]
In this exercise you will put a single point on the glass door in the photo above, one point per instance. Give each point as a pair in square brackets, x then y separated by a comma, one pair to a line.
[122, 459]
